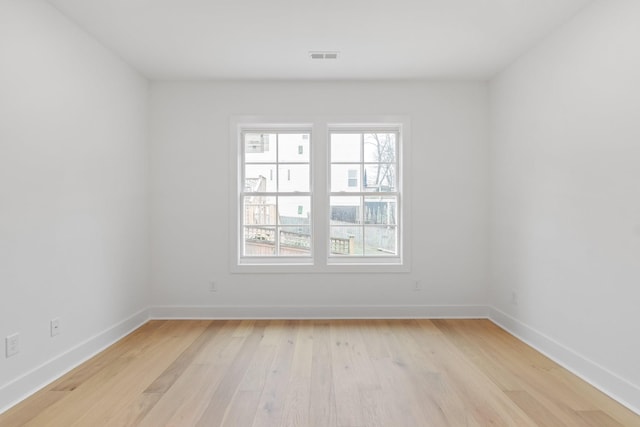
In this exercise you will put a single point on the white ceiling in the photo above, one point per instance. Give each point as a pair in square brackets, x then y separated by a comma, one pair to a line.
[270, 39]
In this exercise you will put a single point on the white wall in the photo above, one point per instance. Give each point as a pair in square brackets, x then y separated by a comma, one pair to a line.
[190, 173]
[73, 197]
[566, 194]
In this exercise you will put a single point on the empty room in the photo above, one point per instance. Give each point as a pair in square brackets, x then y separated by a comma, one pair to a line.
[333, 213]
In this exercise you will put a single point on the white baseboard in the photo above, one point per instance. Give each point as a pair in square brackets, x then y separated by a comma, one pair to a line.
[29, 383]
[600, 377]
[319, 312]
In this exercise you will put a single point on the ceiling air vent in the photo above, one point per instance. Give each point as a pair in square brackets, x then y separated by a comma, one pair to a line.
[323, 55]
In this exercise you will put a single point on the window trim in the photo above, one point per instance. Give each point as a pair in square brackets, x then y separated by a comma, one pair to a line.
[320, 261]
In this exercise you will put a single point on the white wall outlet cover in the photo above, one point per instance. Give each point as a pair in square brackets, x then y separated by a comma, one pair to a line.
[55, 327]
[12, 345]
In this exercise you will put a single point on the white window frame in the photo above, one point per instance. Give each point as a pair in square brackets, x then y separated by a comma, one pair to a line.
[321, 260]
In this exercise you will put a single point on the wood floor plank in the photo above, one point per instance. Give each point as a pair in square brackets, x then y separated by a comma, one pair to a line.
[534, 409]
[212, 352]
[139, 374]
[375, 333]
[329, 373]
[397, 404]
[135, 412]
[420, 377]
[271, 405]
[75, 403]
[510, 374]
[488, 404]
[28, 409]
[256, 374]
[244, 404]
[183, 403]
[322, 412]
[221, 398]
[242, 409]
[189, 396]
[514, 366]
[85, 371]
[600, 401]
[120, 380]
[345, 379]
[297, 400]
[598, 419]
[178, 366]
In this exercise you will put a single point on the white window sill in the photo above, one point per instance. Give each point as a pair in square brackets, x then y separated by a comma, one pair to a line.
[331, 267]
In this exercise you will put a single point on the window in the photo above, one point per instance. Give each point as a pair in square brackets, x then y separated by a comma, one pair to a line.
[363, 214]
[320, 196]
[276, 196]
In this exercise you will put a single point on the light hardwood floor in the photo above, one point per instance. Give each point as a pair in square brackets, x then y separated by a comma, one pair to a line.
[345, 373]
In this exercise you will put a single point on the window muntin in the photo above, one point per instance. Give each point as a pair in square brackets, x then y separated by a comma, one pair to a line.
[275, 199]
[364, 221]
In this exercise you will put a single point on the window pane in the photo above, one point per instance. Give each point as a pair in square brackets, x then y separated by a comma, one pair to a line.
[293, 147]
[295, 241]
[294, 210]
[260, 147]
[345, 178]
[380, 210]
[345, 147]
[260, 178]
[259, 241]
[380, 177]
[380, 240]
[259, 210]
[346, 240]
[380, 147]
[346, 210]
[293, 178]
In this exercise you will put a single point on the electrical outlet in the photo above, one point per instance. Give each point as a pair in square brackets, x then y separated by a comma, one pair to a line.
[213, 286]
[55, 327]
[12, 345]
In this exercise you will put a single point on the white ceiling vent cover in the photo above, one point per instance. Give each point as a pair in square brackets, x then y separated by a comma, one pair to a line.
[323, 55]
